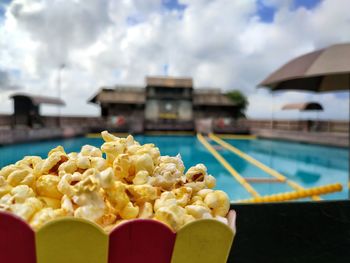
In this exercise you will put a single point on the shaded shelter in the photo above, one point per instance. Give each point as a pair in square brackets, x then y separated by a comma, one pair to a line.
[27, 108]
[307, 106]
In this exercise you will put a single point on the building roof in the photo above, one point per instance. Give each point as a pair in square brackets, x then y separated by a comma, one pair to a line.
[121, 94]
[303, 106]
[211, 99]
[36, 100]
[169, 82]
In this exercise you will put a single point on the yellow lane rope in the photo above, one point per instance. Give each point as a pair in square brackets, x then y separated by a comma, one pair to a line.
[237, 136]
[319, 190]
[228, 167]
[258, 164]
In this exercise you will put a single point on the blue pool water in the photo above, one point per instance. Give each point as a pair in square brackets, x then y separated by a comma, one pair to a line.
[308, 165]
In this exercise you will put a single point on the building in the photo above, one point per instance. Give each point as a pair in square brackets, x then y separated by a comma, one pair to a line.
[27, 109]
[165, 103]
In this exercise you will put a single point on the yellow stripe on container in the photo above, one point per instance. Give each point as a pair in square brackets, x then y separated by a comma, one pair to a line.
[288, 196]
[71, 240]
[258, 164]
[228, 167]
[203, 241]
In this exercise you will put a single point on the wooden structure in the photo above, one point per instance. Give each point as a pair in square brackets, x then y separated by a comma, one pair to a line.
[166, 103]
[212, 103]
[27, 109]
[122, 108]
[169, 103]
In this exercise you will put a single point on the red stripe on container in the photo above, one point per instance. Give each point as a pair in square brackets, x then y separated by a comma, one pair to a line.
[17, 244]
[141, 240]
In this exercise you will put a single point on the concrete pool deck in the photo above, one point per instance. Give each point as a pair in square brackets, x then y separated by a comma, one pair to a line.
[323, 138]
[12, 136]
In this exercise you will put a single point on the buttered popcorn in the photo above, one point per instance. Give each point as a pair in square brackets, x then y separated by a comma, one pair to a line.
[123, 180]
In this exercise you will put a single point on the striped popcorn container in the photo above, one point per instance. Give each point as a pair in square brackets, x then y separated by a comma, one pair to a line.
[72, 240]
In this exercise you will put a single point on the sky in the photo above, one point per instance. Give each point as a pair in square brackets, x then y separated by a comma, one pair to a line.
[224, 44]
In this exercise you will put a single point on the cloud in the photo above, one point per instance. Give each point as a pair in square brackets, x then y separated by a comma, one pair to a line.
[60, 27]
[220, 44]
[6, 82]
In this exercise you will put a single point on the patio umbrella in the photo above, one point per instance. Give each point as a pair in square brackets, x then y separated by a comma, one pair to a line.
[326, 69]
[306, 106]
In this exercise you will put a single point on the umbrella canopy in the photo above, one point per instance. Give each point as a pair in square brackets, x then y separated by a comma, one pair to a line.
[307, 106]
[326, 69]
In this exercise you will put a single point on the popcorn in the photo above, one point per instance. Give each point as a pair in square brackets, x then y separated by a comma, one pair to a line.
[7, 170]
[91, 151]
[129, 211]
[121, 166]
[21, 193]
[168, 173]
[17, 176]
[83, 162]
[182, 195]
[46, 185]
[64, 185]
[141, 177]
[26, 209]
[198, 212]
[4, 186]
[143, 193]
[219, 202]
[172, 215]
[98, 163]
[131, 181]
[68, 167]
[166, 199]
[51, 163]
[106, 178]
[146, 210]
[198, 179]
[50, 202]
[67, 205]
[45, 215]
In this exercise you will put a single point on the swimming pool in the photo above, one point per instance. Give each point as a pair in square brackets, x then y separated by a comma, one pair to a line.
[307, 165]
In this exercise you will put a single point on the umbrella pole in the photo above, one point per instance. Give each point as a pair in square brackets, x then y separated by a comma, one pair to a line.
[272, 113]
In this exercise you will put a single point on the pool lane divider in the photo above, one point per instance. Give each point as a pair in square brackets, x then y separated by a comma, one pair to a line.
[288, 196]
[227, 166]
[260, 165]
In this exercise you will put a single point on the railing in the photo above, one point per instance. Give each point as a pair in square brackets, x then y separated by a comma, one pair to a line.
[296, 125]
[6, 121]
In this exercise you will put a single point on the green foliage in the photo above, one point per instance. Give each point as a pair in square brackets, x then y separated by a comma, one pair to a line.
[240, 100]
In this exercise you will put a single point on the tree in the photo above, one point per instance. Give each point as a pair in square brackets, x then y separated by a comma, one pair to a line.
[238, 98]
